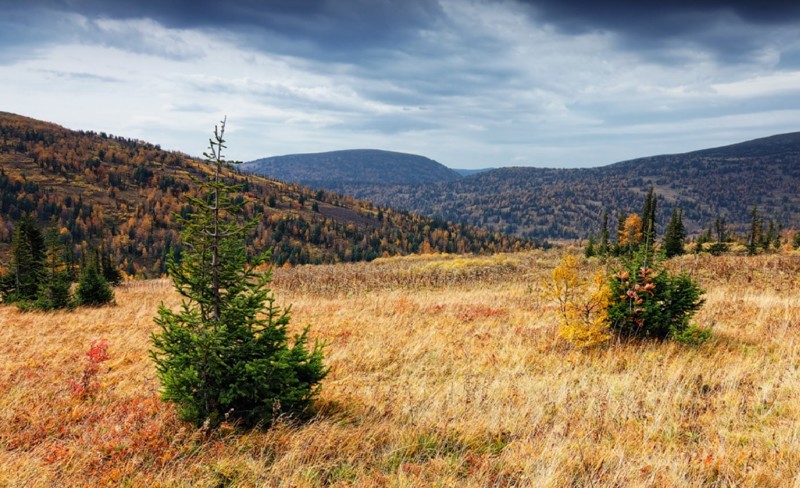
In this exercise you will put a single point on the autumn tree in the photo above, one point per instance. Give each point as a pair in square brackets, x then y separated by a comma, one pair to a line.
[226, 352]
[582, 303]
[631, 235]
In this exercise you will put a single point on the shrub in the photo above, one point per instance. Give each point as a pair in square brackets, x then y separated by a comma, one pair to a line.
[88, 385]
[583, 318]
[647, 301]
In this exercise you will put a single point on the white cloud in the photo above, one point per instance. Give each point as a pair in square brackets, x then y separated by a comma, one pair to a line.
[484, 86]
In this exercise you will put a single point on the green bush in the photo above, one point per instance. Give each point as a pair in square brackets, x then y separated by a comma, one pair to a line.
[647, 301]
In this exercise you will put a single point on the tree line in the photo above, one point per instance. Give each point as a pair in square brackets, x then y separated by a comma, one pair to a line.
[40, 275]
[634, 229]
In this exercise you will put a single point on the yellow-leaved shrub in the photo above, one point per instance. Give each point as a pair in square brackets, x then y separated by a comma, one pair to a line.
[582, 303]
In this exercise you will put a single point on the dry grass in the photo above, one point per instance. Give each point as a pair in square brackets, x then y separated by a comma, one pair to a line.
[444, 372]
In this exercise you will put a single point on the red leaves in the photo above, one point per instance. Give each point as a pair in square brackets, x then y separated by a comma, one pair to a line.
[88, 384]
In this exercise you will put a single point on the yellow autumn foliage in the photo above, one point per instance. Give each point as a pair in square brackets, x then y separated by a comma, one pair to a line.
[582, 303]
[631, 234]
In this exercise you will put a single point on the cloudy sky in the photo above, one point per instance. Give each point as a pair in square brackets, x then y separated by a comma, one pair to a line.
[470, 83]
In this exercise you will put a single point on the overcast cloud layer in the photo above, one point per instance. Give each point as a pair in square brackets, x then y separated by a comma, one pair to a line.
[468, 83]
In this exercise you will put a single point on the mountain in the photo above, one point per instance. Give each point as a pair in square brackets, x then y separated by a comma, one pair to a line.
[567, 203]
[345, 171]
[122, 194]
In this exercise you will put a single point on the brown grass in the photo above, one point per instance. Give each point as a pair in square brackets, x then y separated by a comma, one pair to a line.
[444, 372]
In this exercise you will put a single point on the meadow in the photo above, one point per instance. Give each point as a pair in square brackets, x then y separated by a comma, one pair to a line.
[444, 371]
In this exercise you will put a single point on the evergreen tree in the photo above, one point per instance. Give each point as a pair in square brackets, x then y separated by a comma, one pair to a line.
[110, 272]
[649, 219]
[604, 244]
[590, 251]
[618, 247]
[226, 351]
[27, 262]
[772, 237]
[54, 291]
[756, 231]
[721, 234]
[777, 237]
[675, 234]
[93, 289]
[649, 301]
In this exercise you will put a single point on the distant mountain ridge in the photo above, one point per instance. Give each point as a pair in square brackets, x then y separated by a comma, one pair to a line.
[725, 181]
[337, 170]
[540, 203]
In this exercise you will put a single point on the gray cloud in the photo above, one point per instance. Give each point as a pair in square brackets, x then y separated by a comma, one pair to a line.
[367, 32]
[733, 30]
[332, 29]
[467, 82]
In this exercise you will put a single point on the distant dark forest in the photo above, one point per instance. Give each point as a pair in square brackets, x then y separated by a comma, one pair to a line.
[542, 203]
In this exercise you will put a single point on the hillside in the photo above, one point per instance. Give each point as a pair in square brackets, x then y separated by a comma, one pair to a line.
[122, 194]
[346, 171]
[539, 202]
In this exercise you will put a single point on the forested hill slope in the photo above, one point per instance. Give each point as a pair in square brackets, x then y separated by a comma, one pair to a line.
[343, 170]
[549, 203]
[122, 194]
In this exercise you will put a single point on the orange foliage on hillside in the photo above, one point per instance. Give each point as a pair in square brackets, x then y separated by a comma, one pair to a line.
[123, 194]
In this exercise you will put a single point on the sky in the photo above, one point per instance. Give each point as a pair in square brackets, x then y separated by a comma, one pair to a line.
[469, 83]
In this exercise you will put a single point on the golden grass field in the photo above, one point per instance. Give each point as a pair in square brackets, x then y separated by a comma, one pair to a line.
[445, 371]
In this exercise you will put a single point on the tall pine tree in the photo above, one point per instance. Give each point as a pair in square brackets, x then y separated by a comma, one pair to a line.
[54, 290]
[226, 352]
[649, 219]
[675, 234]
[27, 262]
[604, 241]
[756, 232]
[618, 247]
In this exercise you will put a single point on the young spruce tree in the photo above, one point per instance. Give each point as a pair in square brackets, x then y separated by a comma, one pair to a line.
[226, 353]
[93, 289]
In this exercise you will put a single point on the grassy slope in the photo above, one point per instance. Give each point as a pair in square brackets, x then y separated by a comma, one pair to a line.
[443, 371]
